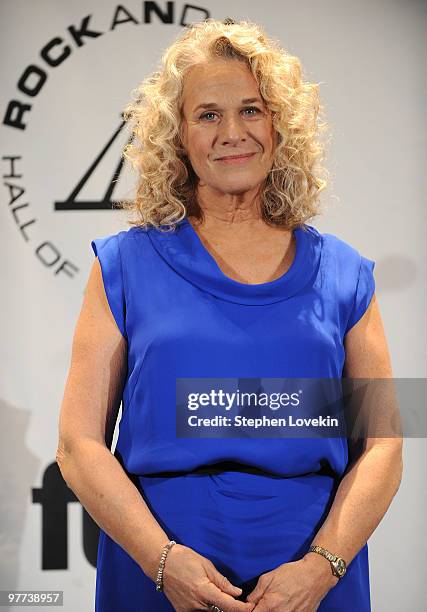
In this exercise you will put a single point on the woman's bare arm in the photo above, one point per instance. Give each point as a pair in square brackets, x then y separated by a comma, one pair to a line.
[375, 467]
[88, 413]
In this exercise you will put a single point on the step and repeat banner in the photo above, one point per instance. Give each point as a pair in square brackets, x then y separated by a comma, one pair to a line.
[67, 72]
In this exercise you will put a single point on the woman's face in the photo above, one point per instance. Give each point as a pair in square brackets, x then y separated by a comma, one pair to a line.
[224, 115]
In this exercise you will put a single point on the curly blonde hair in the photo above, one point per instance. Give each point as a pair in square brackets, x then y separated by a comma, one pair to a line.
[166, 184]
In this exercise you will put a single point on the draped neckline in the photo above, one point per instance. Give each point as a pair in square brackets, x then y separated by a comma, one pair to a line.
[184, 251]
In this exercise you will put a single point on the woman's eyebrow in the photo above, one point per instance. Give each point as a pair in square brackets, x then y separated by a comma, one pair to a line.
[214, 105]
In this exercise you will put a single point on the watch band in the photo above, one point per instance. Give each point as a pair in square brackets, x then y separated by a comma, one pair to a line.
[338, 565]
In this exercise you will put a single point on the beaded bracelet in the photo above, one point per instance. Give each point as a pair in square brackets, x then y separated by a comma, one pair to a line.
[159, 579]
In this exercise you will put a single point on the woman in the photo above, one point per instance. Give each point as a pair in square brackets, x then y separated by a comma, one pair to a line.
[220, 276]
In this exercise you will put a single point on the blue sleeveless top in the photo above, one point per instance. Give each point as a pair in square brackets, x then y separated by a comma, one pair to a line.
[183, 317]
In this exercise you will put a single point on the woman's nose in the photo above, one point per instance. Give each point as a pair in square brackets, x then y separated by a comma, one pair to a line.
[232, 129]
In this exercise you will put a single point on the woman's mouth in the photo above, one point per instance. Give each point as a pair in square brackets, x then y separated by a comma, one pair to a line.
[235, 159]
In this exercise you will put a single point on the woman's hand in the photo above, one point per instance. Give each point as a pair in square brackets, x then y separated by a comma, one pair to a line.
[191, 582]
[298, 586]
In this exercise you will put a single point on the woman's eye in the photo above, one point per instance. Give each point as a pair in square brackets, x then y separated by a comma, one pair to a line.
[252, 108]
[206, 114]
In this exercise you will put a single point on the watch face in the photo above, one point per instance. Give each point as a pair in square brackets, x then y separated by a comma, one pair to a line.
[340, 566]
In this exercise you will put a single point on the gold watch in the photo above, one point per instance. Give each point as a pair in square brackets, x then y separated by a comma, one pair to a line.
[338, 565]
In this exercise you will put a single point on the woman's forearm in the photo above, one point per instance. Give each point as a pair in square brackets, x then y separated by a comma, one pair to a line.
[361, 500]
[113, 501]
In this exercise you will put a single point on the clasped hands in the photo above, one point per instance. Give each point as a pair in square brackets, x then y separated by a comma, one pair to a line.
[192, 582]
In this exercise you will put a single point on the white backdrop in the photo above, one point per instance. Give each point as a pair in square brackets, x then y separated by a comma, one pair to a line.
[57, 119]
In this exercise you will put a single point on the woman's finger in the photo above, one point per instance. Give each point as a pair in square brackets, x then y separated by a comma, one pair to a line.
[215, 596]
[222, 582]
[261, 586]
